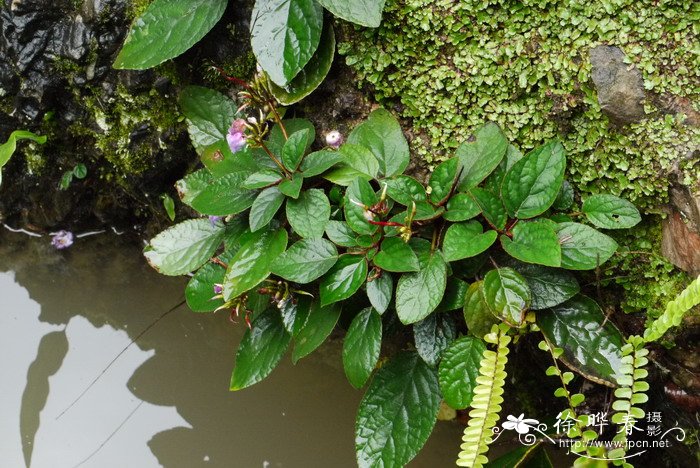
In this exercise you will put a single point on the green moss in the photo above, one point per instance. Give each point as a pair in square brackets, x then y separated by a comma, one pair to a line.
[137, 8]
[449, 66]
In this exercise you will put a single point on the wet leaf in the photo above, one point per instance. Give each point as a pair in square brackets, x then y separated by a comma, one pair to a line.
[610, 212]
[395, 255]
[382, 134]
[318, 326]
[459, 369]
[264, 208]
[344, 279]
[306, 260]
[260, 350]
[380, 291]
[361, 346]
[507, 295]
[167, 29]
[582, 247]
[480, 157]
[309, 214]
[418, 294]
[534, 242]
[363, 12]
[433, 335]
[398, 412]
[464, 240]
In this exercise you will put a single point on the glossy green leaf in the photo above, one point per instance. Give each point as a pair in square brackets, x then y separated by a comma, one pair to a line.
[261, 179]
[318, 326]
[592, 345]
[264, 208]
[312, 75]
[492, 207]
[344, 279]
[464, 240]
[395, 255]
[565, 198]
[184, 247]
[167, 29]
[459, 369]
[209, 115]
[398, 412]
[292, 188]
[253, 262]
[363, 12]
[190, 186]
[319, 162]
[549, 286]
[480, 157]
[284, 35]
[533, 183]
[340, 233]
[382, 134]
[405, 190]
[309, 214]
[494, 181]
[344, 175]
[224, 196]
[359, 192]
[534, 242]
[455, 294]
[360, 158]
[582, 247]
[478, 317]
[433, 335]
[380, 291]
[507, 295]
[442, 180]
[261, 350]
[306, 260]
[200, 288]
[610, 212]
[461, 207]
[418, 294]
[294, 148]
[361, 346]
[220, 161]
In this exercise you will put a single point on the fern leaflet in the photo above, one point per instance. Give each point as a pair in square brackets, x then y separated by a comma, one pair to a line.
[675, 310]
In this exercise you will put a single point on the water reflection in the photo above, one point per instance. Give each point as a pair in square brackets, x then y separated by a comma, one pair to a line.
[65, 315]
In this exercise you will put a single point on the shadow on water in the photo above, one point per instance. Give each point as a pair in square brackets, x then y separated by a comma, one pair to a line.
[165, 400]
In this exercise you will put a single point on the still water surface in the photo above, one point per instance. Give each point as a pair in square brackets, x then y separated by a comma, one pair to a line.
[65, 315]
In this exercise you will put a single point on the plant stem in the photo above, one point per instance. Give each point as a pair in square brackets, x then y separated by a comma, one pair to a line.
[274, 158]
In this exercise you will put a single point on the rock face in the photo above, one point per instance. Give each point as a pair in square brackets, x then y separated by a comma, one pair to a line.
[681, 231]
[620, 86]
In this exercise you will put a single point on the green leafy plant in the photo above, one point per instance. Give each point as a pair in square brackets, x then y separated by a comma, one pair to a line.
[79, 172]
[8, 148]
[294, 235]
[289, 38]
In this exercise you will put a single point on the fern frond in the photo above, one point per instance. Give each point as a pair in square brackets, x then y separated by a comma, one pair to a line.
[488, 396]
[632, 392]
[675, 310]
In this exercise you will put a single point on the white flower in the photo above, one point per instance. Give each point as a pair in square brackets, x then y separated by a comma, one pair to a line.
[334, 139]
[520, 424]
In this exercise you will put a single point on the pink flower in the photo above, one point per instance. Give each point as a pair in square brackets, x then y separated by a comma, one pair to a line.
[236, 135]
[62, 239]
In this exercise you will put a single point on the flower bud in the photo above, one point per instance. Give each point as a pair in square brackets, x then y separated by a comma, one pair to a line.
[334, 139]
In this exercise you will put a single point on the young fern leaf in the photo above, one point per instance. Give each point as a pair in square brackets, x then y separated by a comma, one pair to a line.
[675, 310]
[630, 393]
[488, 396]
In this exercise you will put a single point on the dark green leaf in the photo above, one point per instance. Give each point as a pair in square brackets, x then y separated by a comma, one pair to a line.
[318, 326]
[442, 180]
[319, 162]
[418, 294]
[461, 207]
[582, 247]
[492, 207]
[477, 315]
[591, 343]
[340, 233]
[533, 183]
[220, 161]
[464, 240]
[284, 35]
[312, 75]
[382, 134]
[253, 262]
[209, 115]
[293, 150]
[264, 208]
[507, 295]
[379, 291]
[459, 369]
[261, 179]
[167, 29]
[534, 242]
[549, 286]
[480, 157]
[527, 456]
[306, 260]
[360, 192]
[344, 279]
[398, 412]
[360, 158]
[405, 190]
[80, 171]
[455, 294]
[565, 198]
[344, 175]
[184, 247]
[224, 196]
[309, 214]
[395, 255]
[433, 335]
[610, 212]
[292, 188]
[363, 12]
[260, 350]
[361, 346]
[190, 186]
[200, 289]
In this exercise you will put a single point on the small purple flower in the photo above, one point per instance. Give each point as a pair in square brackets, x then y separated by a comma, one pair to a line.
[218, 289]
[62, 239]
[334, 139]
[238, 126]
[236, 135]
[214, 220]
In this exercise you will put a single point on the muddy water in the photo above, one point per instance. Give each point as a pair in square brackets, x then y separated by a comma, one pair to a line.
[65, 315]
